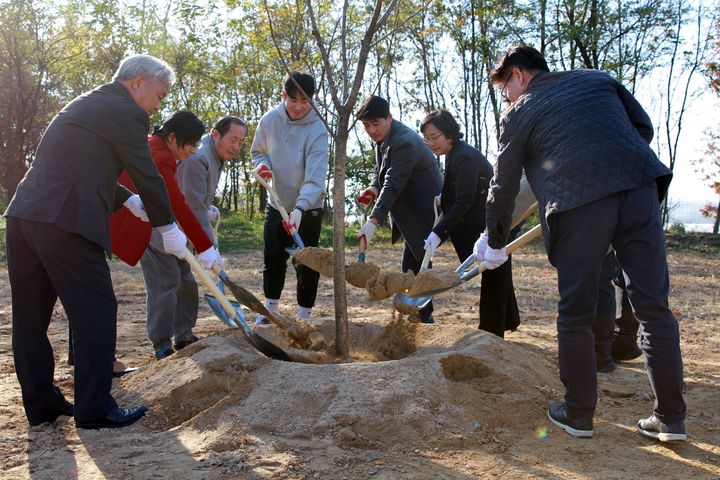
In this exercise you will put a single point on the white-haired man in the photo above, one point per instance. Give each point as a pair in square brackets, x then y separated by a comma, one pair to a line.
[58, 235]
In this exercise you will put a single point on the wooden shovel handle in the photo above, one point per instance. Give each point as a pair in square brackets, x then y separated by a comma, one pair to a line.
[200, 272]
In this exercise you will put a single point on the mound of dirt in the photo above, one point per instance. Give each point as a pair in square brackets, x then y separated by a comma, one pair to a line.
[444, 383]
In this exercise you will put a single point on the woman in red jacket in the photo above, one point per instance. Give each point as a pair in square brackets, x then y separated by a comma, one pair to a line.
[172, 293]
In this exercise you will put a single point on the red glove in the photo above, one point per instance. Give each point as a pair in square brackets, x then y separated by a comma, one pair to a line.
[265, 172]
[288, 227]
[367, 196]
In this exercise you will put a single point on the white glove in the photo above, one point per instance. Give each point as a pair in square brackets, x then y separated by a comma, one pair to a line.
[210, 257]
[432, 242]
[174, 241]
[494, 257]
[366, 233]
[136, 207]
[296, 218]
[213, 214]
[481, 245]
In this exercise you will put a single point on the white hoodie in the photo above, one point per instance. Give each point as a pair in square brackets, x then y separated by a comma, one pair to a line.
[297, 153]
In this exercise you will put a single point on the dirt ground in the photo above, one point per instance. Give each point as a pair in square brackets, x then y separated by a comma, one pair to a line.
[461, 404]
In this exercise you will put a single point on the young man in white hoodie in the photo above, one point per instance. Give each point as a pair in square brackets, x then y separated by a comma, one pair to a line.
[291, 149]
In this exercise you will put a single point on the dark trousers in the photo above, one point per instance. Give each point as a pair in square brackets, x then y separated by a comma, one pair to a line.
[578, 243]
[626, 326]
[275, 256]
[604, 325]
[498, 305]
[409, 262]
[44, 263]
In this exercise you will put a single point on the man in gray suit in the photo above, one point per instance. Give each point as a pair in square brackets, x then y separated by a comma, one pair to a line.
[407, 179]
[58, 235]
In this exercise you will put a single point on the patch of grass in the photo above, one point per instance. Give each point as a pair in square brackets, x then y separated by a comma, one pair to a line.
[239, 232]
[700, 242]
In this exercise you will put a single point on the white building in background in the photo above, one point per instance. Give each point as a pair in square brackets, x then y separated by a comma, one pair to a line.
[688, 213]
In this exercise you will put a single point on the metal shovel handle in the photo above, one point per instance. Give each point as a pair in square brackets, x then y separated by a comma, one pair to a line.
[519, 242]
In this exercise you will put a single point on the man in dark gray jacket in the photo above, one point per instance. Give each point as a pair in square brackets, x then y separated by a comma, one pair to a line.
[406, 181]
[583, 141]
[58, 235]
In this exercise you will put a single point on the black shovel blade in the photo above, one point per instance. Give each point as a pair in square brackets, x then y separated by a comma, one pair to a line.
[266, 346]
[249, 300]
[244, 296]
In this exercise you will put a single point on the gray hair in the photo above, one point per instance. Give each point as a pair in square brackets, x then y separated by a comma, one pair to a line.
[146, 65]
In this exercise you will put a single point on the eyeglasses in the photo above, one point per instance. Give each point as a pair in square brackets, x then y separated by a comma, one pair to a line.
[503, 90]
[432, 139]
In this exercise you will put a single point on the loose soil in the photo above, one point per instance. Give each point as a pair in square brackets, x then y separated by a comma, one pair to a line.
[414, 401]
[429, 281]
[387, 283]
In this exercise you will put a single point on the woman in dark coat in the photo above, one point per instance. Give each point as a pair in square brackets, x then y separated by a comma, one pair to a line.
[465, 189]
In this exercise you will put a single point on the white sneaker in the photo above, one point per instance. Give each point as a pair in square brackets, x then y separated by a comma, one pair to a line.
[303, 313]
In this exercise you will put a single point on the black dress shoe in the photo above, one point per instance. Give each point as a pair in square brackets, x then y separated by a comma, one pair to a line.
[117, 418]
[66, 409]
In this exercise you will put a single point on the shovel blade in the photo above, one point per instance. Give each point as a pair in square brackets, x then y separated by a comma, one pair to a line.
[220, 312]
[403, 303]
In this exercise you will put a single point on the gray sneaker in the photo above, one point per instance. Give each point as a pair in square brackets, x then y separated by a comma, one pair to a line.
[652, 427]
[261, 320]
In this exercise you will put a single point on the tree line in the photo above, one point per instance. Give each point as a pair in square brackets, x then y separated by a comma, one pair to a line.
[230, 58]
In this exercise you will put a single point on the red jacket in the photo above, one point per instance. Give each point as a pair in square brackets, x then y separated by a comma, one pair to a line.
[130, 236]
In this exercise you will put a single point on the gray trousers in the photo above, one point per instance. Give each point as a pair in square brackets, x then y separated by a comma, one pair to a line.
[172, 298]
[578, 243]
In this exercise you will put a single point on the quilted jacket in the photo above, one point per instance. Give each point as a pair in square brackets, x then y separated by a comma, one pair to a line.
[580, 136]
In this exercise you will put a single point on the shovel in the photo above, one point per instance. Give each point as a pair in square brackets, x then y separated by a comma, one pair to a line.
[466, 275]
[401, 301]
[283, 213]
[220, 312]
[263, 345]
[301, 332]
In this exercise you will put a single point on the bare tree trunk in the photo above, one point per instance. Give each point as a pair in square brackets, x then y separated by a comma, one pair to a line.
[339, 286]
[716, 226]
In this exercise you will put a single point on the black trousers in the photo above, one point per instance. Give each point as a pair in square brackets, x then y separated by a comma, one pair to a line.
[44, 263]
[626, 326]
[604, 325]
[498, 305]
[578, 241]
[275, 256]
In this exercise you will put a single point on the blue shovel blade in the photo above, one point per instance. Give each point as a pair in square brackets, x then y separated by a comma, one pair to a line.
[220, 312]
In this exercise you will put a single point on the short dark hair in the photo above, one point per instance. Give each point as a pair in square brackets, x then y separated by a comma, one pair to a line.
[224, 124]
[443, 121]
[373, 107]
[521, 56]
[186, 126]
[306, 82]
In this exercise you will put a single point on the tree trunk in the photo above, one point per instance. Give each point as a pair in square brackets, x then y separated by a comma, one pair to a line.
[716, 226]
[339, 287]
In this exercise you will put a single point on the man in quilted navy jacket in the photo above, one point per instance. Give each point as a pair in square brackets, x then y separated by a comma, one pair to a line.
[583, 141]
